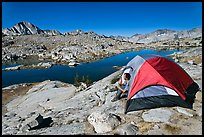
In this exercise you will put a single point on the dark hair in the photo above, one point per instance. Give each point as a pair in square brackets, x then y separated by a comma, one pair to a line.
[127, 76]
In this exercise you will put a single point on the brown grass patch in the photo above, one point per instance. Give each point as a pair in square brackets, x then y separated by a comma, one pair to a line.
[115, 79]
[10, 94]
[196, 59]
[172, 129]
[145, 126]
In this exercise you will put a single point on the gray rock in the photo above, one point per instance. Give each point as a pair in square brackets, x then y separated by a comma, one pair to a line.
[185, 111]
[69, 129]
[199, 112]
[25, 128]
[200, 64]
[10, 131]
[127, 129]
[46, 65]
[176, 60]
[198, 96]
[73, 63]
[157, 115]
[103, 122]
[30, 114]
[13, 68]
[191, 62]
[10, 115]
[33, 124]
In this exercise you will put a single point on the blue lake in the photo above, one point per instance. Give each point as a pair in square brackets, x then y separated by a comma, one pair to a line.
[94, 70]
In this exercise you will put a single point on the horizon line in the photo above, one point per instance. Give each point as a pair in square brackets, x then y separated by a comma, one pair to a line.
[100, 33]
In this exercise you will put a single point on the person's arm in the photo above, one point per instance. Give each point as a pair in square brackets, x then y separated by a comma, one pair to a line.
[126, 87]
[120, 82]
[121, 88]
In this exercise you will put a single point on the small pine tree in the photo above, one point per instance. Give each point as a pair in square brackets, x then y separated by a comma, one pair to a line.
[88, 81]
[83, 79]
[77, 80]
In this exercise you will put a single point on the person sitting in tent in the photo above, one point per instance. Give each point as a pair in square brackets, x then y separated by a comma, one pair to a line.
[122, 88]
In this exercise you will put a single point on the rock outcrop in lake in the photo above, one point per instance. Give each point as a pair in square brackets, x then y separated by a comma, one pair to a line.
[54, 107]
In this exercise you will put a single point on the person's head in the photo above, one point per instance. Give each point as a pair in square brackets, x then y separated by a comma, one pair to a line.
[127, 76]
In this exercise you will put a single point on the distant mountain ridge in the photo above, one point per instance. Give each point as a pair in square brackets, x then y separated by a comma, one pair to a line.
[26, 28]
[162, 34]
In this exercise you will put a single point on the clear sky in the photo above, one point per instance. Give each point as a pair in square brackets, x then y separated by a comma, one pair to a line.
[108, 18]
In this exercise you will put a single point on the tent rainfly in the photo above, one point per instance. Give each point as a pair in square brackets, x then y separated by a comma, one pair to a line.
[158, 82]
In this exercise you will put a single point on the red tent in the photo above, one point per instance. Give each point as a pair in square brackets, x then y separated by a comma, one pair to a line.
[156, 81]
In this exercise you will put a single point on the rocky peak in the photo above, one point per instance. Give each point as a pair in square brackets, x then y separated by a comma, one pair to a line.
[26, 28]
[75, 32]
[137, 34]
[193, 33]
[7, 31]
[52, 32]
[196, 30]
[123, 38]
[163, 32]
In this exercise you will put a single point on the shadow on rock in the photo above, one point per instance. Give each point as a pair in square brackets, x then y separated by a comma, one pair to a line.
[42, 123]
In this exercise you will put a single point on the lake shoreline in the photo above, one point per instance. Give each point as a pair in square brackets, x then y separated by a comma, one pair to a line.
[46, 70]
[34, 63]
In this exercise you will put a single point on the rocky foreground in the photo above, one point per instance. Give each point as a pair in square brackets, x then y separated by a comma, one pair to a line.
[66, 109]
